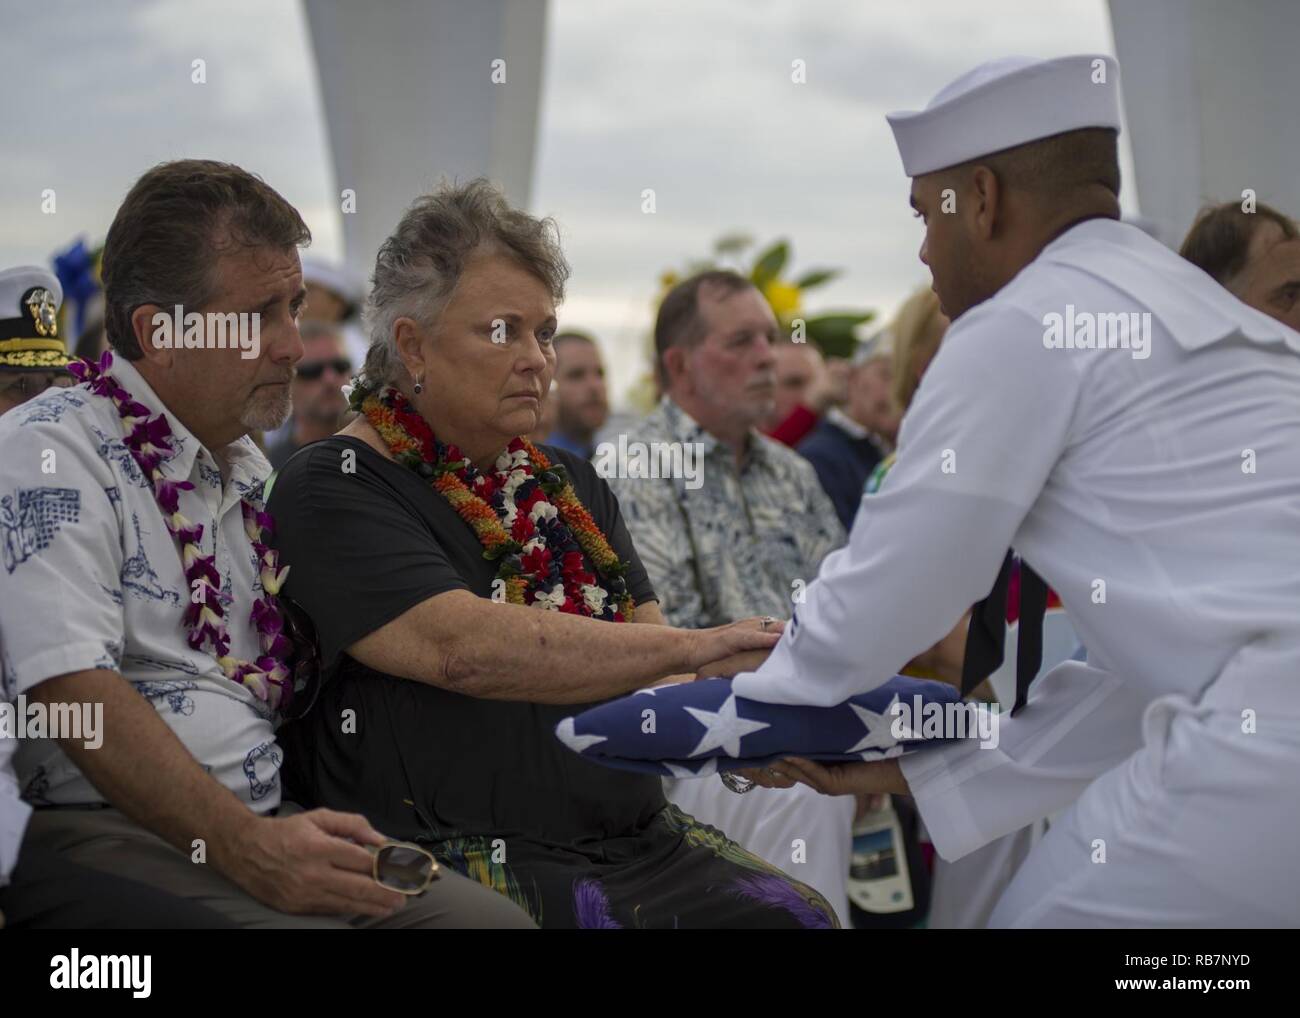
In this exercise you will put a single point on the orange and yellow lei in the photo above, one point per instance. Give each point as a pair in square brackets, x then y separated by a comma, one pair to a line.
[539, 564]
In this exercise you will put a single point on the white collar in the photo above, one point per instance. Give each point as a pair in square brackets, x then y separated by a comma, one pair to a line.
[1195, 309]
[247, 466]
[844, 422]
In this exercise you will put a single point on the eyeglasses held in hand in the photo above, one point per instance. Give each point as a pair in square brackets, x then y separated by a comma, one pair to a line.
[304, 661]
[403, 867]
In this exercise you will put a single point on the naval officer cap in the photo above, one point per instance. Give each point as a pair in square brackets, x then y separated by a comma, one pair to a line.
[1005, 103]
[29, 321]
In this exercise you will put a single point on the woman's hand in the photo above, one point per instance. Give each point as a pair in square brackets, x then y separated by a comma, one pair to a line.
[717, 645]
[870, 777]
[745, 661]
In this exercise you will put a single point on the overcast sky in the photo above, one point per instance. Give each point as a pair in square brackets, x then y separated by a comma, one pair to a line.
[693, 98]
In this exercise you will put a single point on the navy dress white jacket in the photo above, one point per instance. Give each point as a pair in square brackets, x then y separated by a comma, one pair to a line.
[1157, 491]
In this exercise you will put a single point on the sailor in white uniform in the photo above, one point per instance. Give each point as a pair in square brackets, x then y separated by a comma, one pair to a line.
[1132, 430]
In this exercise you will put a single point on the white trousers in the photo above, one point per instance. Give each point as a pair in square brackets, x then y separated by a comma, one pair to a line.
[964, 893]
[801, 832]
[1198, 828]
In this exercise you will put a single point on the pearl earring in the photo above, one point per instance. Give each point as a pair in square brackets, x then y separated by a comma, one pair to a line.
[419, 386]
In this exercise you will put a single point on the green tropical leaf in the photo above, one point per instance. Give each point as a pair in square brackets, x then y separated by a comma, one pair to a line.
[816, 278]
[769, 264]
[732, 243]
[836, 334]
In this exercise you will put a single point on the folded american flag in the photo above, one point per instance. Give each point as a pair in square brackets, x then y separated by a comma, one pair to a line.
[695, 729]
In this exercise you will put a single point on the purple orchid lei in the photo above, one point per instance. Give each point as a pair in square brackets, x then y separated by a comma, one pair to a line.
[148, 440]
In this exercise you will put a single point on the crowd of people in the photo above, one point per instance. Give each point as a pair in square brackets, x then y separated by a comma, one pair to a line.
[334, 599]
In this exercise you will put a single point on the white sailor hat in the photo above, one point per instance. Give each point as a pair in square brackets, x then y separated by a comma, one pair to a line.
[29, 320]
[335, 278]
[1005, 103]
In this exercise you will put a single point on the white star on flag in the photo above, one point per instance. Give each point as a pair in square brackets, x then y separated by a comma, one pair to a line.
[878, 754]
[707, 769]
[724, 728]
[577, 743]
[878, 734]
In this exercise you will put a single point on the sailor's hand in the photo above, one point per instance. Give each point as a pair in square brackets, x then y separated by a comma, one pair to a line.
[870, 777]
[771, 776]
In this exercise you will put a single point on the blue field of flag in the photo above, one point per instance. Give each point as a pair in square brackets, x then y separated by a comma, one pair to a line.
[696, 729]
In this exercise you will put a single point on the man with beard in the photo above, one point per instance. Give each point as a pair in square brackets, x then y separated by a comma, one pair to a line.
[580, 394]
[49, 892]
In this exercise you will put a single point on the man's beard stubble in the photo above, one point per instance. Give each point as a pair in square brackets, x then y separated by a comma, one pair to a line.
[267, 407]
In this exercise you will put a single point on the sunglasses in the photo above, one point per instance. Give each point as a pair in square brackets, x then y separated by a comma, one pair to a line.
[403, 867]
[309, 371]
[305, 664]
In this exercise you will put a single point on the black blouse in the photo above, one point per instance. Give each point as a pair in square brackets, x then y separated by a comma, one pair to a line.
[366, 539]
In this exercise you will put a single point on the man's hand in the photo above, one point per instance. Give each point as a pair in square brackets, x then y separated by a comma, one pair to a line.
[871, 777]
[313, 863]
[302, 863]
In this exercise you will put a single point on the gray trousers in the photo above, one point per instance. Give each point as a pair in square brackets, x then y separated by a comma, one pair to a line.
[104, 839]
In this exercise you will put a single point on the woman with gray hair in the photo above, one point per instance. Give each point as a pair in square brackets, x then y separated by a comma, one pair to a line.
[470, 589]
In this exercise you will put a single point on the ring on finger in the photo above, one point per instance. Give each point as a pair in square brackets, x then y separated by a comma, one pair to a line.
[736, 783]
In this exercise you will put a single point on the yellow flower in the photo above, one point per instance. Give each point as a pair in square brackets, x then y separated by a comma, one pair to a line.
[272, 581]
[256, 684]
[784, 298]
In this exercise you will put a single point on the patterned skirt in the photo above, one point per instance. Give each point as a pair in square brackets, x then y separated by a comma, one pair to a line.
[675, 873]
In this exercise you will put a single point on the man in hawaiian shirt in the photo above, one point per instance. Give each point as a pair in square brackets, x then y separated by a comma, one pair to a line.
[739, 528]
